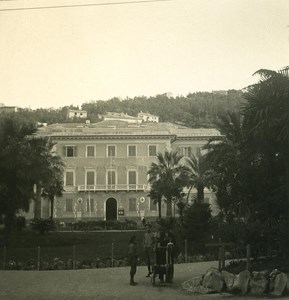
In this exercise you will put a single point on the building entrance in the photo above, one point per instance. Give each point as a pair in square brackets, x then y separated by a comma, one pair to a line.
[111, 209]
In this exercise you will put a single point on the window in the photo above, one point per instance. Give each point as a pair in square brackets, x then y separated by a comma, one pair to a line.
[153, 206]
[152, 150]
[111, 177]
[90, 205]
[70, 151]
[132, 204]
[132, 150]
[111, 151]
[90, 150]
[132, 178]
[69, 205]
[69, 178]
[90, 178]
[185, 151]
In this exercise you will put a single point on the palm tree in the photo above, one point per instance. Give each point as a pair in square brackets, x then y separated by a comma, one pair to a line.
[266, 117]
[157, 199]
[16, 188]
[53, 185]
[47, 170]
[199, 175]
[166, 177]
[224, 157]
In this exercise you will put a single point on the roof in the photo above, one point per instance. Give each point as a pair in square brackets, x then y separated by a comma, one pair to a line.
[122, 128]
[114, 115]
[76, 110]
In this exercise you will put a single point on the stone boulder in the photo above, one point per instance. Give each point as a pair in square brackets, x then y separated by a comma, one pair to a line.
[280, 284]
[287, 285]
[213, 280]
[229, 279]
[259, 283]
[241, 282]
[194, 285]
[272, 277]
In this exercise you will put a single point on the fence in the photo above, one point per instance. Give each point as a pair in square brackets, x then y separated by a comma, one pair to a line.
[38, 262]
[111, 261]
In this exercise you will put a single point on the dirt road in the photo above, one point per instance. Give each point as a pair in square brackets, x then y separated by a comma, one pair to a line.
[103, 284]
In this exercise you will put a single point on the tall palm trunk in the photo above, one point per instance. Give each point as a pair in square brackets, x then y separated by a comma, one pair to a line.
[200, 193]
[160, 207]
[188, 194]
[169, 207]
[37, 208]
[287, 176]
[51, 207]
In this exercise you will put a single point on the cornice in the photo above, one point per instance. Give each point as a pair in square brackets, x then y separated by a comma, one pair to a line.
[111, 137]
[195, 137]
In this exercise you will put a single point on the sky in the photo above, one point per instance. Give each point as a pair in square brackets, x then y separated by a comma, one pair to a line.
[55, 57]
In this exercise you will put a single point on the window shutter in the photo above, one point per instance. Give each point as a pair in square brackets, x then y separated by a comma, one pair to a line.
[75, 151]
[64, 151]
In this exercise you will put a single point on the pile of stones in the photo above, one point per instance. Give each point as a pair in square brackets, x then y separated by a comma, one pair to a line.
[273, 283]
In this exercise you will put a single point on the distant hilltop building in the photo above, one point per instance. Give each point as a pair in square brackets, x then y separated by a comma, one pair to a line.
[220, 92]
[76, 113]
[146, 117]
[106, 164]
[141, 117]
[114, 116]
[8, 109]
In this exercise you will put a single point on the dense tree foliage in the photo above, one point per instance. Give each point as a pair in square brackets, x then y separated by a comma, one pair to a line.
[24, 161]
[16, 188]
[251, 163]
[196, 223]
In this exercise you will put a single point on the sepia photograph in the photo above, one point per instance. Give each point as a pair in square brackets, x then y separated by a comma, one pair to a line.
[144, 149]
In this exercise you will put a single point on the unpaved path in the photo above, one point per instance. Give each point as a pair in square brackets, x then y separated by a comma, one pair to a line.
[103, 284]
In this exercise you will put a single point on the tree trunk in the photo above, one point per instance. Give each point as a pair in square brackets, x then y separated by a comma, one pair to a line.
[200, 193]
[169, 208]
[287, 176]
[188, 195]
[37, 208]
[160, 207]
[51, 208]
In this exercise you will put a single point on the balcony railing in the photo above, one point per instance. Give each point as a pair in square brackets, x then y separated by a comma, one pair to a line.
[113, 187]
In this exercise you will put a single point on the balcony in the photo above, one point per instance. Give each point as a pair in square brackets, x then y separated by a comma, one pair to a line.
[113, 187]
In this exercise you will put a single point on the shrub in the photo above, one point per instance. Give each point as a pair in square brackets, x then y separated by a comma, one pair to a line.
[167, 223]
[20, 223]
[195, 225]
[130, 224]
[43, 225]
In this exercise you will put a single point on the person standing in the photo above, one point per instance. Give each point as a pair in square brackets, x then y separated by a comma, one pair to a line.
[170, 241]
[132, 259]
[148, 245]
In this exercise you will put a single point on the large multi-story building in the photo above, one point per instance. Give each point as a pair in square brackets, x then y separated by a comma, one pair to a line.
[106, 166]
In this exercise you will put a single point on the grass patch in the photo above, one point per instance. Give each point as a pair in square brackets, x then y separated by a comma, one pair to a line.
[22, 246]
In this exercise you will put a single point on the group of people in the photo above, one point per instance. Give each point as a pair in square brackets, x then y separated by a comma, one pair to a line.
[152, 240]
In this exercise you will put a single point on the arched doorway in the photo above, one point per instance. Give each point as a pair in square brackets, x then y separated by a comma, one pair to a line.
[111, 209]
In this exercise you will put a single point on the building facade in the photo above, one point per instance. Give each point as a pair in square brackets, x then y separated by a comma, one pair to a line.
[8, 109]
[146, 117]
[106, 166]
[75, 113]
[114, 116]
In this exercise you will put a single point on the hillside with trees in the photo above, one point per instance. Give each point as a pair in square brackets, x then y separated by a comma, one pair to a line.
[200, 109]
